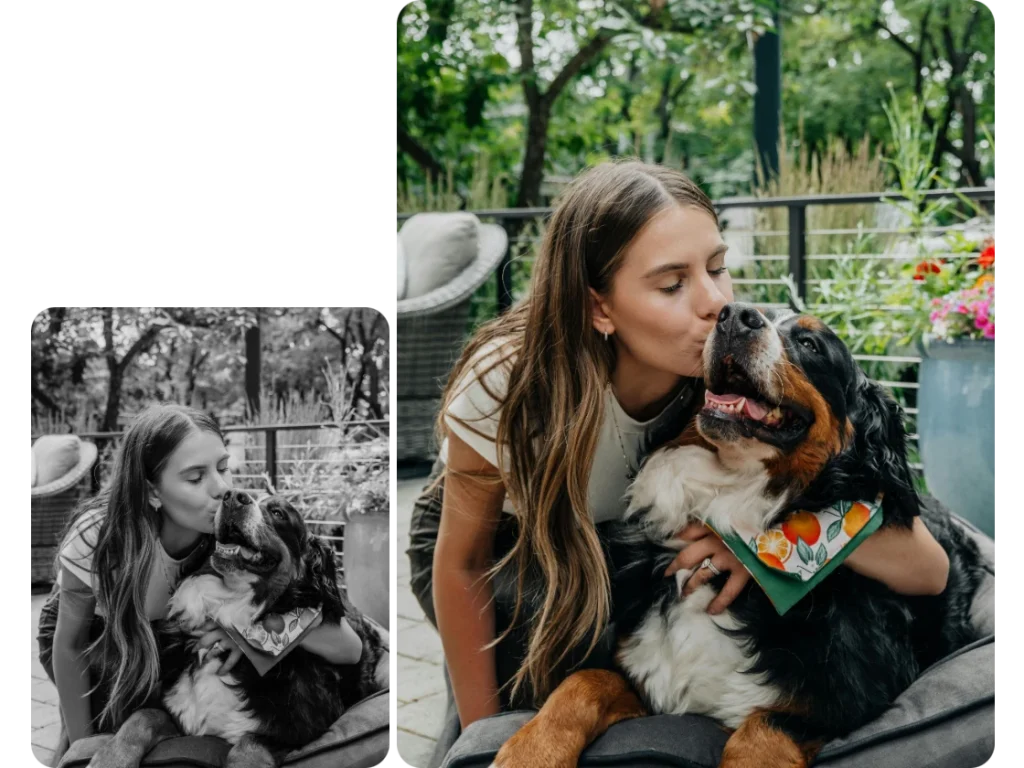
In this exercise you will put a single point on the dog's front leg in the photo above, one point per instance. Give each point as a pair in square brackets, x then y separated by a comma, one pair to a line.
[250, 752]
[762, 741]
[139, 734]
[583, 707]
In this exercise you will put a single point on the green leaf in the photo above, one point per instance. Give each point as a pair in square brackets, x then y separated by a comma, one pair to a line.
[821, 556]
[834, 529]
[806, 555]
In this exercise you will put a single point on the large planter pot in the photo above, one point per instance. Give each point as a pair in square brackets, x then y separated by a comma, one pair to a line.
[956, 424]
[366, 556]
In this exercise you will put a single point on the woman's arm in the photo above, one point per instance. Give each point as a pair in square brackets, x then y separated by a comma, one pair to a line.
[70, 666]
[463, 602]
[909, 562]
[338, 643]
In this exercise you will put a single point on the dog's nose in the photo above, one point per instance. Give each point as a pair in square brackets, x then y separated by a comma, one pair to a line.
[740, 318]
[235, 499]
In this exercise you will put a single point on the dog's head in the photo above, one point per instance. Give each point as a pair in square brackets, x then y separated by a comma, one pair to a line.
[267, 545]
[784, 391]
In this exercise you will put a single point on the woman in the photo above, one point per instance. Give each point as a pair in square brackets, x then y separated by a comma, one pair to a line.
[122, 558]
[542, 421]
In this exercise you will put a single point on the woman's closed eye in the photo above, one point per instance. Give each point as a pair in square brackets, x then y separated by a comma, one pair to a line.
[197, 477]
[680, 282]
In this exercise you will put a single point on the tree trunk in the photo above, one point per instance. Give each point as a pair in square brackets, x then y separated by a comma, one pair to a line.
[116, 367]
[533, 160]
[114, 384]
[195, 362]
[113, 399]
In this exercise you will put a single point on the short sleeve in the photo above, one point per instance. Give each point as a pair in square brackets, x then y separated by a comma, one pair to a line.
[475, 407]
[76, 553]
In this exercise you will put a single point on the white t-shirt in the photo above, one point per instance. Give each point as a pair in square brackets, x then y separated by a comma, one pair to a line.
[76, 558]
[473, 415]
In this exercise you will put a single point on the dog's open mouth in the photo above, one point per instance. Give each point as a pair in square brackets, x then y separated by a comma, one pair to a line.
[237, 551]
[734, 404]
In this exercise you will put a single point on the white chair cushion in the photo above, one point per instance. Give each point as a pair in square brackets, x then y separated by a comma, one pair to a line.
[438, 246]
[397, 268]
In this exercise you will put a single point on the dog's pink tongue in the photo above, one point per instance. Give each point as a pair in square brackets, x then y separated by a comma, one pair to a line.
[754, 410]
[711, 397]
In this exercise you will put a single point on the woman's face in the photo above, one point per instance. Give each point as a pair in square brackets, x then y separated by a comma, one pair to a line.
[193, 481]
[666, 295]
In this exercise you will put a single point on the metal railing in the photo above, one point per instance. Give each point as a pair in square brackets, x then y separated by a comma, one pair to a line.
[797, 256]
[796, 234]
[366, 449]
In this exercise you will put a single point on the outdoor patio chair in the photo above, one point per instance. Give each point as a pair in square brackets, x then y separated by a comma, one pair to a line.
[443, 258]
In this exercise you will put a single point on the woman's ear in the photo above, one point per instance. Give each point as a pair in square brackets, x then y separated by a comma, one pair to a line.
[599, 314]
[153, 495]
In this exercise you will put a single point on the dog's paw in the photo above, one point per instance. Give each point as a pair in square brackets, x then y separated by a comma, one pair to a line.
[108, 756]
[529, 748]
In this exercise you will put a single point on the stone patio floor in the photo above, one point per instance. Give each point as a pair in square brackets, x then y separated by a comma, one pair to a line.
[45, 713]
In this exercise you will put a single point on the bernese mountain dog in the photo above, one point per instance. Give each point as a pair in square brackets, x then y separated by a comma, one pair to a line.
[789, 423]
[265, 562]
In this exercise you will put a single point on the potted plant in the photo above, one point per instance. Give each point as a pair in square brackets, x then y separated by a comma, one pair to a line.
[932, 296]
[955, 328]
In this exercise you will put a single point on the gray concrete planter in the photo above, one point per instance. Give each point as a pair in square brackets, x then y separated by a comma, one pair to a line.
[956, 424]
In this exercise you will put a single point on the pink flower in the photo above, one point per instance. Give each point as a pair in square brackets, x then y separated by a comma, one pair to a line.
[989, 332]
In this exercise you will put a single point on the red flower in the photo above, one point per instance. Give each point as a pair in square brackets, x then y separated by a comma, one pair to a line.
[988, 257]
[923, 268]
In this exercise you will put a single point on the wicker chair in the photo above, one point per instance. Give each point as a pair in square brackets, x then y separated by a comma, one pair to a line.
[52, 503]
[431, 331]
[49, 516]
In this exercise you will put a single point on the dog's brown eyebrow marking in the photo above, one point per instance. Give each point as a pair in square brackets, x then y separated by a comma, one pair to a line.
[809, 323]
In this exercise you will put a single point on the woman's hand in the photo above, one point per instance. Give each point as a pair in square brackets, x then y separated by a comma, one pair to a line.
[701, 543]
[214, 635]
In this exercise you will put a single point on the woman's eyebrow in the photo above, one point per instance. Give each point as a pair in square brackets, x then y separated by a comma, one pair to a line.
[676, 266]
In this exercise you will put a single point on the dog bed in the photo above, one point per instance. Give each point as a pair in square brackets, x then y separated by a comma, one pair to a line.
[945, 719]
[359, 739]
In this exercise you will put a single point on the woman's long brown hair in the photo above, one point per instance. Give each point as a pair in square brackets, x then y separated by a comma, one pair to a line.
[125, 654]
[558, 367]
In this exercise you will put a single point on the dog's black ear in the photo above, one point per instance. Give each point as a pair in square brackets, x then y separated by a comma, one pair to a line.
[323, 577]
[879, 450]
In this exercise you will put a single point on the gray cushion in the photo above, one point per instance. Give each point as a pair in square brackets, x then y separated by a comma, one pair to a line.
[945, 719]
[358, 739]
[438, 246]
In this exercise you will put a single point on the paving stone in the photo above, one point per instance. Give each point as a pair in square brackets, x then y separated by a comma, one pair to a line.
[44, 714]
[421, 642]
[47, 736]
[414, 749]
[417, 679]
[43, 755]
[44, 691]
[425, 716]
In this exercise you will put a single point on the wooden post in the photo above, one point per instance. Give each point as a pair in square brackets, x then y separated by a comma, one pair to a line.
[768, 98]
[271, 443]
[252, 366]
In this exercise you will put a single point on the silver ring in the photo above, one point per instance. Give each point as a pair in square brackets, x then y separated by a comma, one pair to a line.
[706, 563]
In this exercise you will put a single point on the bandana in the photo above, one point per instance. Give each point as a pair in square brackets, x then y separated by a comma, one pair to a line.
[792, 558]
[266, 641]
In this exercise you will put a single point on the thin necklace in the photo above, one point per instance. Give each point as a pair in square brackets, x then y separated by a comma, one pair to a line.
[630, 472]
[167, 574]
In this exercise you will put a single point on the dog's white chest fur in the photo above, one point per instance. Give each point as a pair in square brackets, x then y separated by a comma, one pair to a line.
[685, 663]
[204, 703]
[683, 660]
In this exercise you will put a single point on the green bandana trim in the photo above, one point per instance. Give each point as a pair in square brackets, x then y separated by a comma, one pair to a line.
[785, 589]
